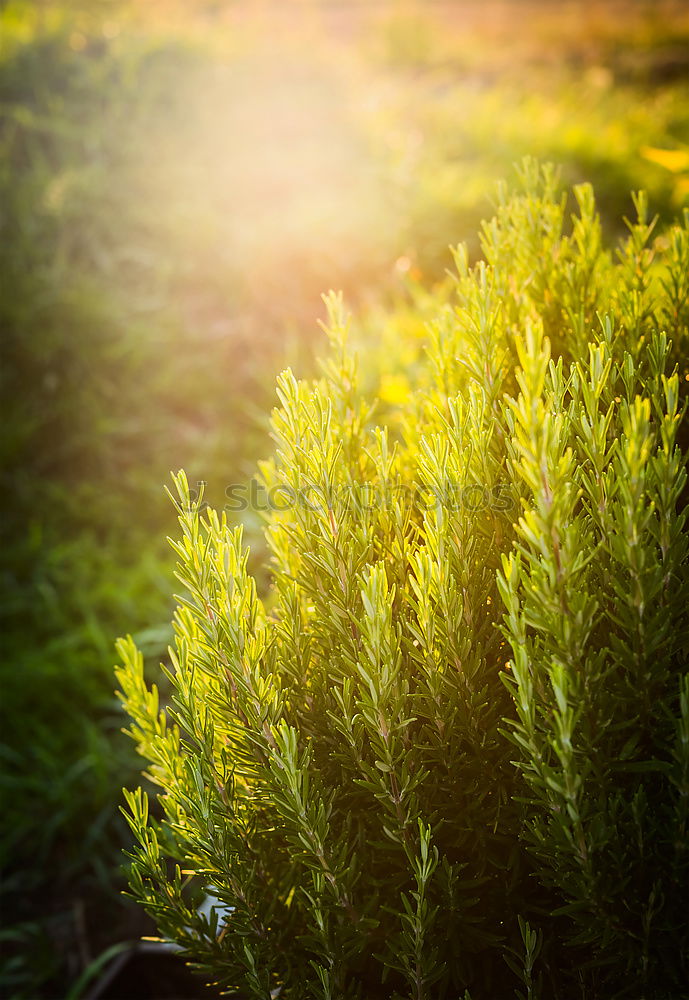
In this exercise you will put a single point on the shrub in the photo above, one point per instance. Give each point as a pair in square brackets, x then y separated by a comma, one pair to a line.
[448, 750]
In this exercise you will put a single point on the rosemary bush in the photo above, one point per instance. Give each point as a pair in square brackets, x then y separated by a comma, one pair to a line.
[447, 754]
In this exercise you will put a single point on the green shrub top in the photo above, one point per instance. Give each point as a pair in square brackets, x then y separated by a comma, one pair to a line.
[448, 750]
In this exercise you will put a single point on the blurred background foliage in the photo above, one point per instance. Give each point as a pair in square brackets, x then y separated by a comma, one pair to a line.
[178, 184]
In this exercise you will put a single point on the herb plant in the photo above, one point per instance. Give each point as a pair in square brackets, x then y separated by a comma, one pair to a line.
[447, 753]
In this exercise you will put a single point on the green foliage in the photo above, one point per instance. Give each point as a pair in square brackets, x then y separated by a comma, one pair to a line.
[448, 751]
[152, 277]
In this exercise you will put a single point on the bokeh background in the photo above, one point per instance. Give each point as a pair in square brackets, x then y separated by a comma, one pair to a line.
[179, 183]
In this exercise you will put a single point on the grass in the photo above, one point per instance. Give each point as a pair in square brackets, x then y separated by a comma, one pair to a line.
[178, 188]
